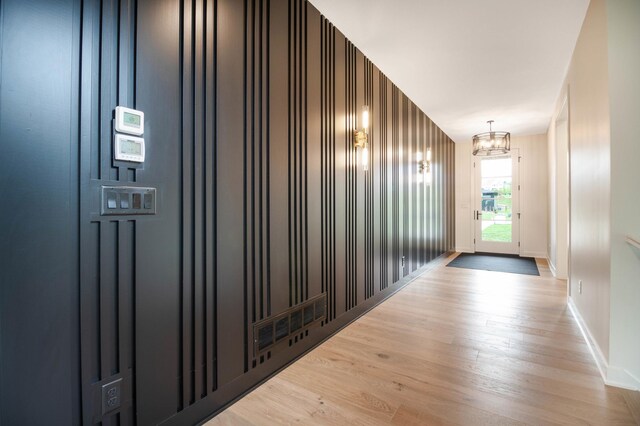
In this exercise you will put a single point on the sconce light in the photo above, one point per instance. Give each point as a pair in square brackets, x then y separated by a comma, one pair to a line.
[361, 139]
[424, 167]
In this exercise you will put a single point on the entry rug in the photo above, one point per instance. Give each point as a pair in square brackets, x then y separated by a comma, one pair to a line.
[496, 262]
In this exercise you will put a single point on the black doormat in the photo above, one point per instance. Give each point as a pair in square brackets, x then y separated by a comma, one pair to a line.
[496, 262]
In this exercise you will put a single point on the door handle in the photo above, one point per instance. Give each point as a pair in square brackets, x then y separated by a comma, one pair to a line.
[477, 214]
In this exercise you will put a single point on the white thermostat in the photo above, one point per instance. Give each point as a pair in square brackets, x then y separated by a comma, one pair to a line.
[129, 148]
[129, 121]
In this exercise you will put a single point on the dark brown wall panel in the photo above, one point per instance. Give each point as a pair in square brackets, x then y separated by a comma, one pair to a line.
[314, 148]
[278, 152]
[250, 108]
[233, 238]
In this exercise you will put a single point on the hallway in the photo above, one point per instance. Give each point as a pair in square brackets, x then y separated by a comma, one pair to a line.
[492, 348]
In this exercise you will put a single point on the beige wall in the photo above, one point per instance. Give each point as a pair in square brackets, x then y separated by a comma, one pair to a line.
[558, 150]
[533, 195]
[623, 17]
[587, 89]
[603, 92]
[464, 197]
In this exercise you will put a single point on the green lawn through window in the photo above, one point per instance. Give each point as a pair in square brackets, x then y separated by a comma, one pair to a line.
[500, 233]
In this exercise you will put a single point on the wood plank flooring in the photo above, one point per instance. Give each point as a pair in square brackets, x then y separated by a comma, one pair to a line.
[454, 347]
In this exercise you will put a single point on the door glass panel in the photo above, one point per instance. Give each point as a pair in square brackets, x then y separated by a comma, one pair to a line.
[496, 175]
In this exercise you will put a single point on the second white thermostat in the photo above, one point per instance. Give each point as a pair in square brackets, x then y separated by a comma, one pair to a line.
[129, 148]
[129, 121]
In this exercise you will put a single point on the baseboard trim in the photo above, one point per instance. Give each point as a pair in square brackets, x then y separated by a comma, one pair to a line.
[594, 348]
[622, 378]
[464, 250]
[552, 267]
[611, 375]
[537, 254]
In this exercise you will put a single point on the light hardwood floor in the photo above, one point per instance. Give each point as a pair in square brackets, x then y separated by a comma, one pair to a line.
[456, 346]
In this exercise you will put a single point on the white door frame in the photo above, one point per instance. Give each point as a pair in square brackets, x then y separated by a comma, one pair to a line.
[497, 247]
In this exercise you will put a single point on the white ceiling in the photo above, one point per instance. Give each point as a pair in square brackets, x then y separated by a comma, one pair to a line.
[464, 62]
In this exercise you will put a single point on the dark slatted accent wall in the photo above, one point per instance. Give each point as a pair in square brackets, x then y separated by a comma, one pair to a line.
[262, 203]
[328, 164]
[108, 246]
[369, 179]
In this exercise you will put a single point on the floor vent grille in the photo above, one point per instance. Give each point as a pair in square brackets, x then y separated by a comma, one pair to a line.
[294, 323]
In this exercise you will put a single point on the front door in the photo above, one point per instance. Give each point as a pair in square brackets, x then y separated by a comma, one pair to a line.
[497, 217]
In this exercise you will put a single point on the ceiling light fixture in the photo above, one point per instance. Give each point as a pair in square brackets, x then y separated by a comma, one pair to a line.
[491, 143]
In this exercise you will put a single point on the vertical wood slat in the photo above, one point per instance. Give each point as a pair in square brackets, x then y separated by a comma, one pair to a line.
[328, 88]
[231, 283]
[411, 181]
[257, 154]
[250, 155]
[402, 182]
[263, 187]
[247, 197]
[351, 288]
[332, 161]
[292, 187]
[438, 195]
[394, 185]
[108, 273]
[199, 186]
[420, 195]
[187, 265]
[90, 152]
[267, 135]
[305, 138]
[436, 192]
[327, 41]
[108, 95]
[125, 31]
[126, 310]
[210, 196]
[348, 174]
[298, 161]
[303, 233]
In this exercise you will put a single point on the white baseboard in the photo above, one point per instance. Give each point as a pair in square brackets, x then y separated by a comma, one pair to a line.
[538, 254]
[465, 250]
[594, 348]
[621, 378]
[611, 375]
[552, 267]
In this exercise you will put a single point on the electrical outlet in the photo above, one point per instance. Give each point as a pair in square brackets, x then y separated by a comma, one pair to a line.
[111, 396]
[580, 286]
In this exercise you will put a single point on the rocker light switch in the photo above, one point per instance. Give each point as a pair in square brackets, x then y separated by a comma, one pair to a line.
[124, 201]
[137, 203]
[127, 200]
[112, 200]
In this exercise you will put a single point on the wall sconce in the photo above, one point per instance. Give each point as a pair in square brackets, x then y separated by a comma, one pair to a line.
[361, 139]
[424, 167]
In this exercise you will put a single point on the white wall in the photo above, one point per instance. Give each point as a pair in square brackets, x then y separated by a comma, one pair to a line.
[464, 197]
[587, 89]
[603, 92]
[558, 148]
[623, 19]
[552, 217]
[533, 195]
